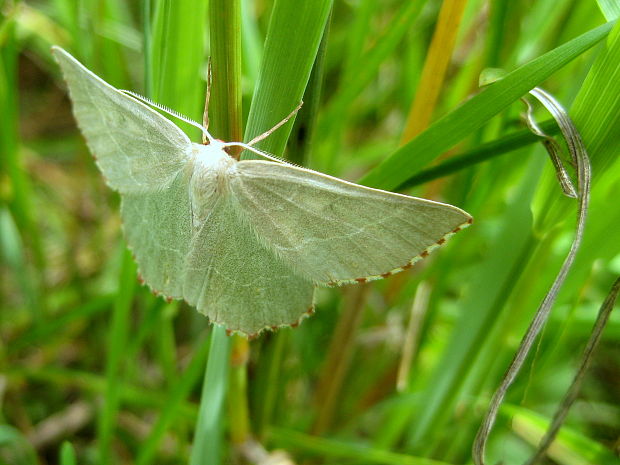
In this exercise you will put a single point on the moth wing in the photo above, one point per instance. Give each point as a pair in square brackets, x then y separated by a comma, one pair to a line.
[136, 148]
[334, 231]
[158, 229]
[237, 281]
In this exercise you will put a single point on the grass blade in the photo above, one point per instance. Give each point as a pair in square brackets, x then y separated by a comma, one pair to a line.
[206, 446]
[610, 8]
[225, 36]
[479, 154]
[117, 343]
[21, 198]
[178, 57]
[470, 116]
[435, 67]
[293, 38]
[67, 454]
[225, 33]
[178, 392]
[332, 448]
[601, 90]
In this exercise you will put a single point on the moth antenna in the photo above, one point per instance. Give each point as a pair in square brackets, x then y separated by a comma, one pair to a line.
[168, 110]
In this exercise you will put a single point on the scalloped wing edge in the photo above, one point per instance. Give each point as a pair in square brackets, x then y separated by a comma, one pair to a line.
[310, 311]
[409, 264]
[229, 332]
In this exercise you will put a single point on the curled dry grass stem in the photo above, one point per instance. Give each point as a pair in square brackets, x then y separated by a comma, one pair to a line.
[582, 165]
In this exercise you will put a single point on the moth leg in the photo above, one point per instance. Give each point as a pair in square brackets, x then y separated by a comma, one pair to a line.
[205, 114]
[277, 126]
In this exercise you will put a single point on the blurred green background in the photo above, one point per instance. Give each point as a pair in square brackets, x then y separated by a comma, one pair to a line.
[94, 369]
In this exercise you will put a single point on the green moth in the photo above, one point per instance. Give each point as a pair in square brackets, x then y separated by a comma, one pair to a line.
[245, 242]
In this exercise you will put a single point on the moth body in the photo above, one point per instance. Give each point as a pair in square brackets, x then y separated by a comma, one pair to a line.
[212, 169]
[245, 242]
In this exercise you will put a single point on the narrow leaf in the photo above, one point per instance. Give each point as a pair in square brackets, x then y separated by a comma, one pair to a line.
[293, 39]
[463, 121]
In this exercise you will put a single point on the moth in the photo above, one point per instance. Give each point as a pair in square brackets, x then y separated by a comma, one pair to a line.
[245, 242]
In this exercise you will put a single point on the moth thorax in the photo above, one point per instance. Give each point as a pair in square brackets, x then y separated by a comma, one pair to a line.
[209, 180]
[212, 156]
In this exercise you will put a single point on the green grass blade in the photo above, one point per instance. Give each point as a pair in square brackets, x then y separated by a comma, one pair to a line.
[166, 345]
[21, 197]
[335, 449]
[292, 42]
[299, 144]
[610, 8]
[147, 44]
[479, 154]
[497, 32]
[268, 383]
[178, 58]
[207, 435]
[225, 38]
[179, 390]
[226, 64]
[601, 92]
[252, 42]
[117, 343]
[470, 116]
[356, 37]
[67, 454]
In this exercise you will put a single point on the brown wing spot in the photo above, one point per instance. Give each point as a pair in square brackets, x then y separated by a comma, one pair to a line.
[229, 332]
[386, 275]
[155, 292]
[332, 283]
[457, 229]
[470, 221]
[140, 278]
[441, 241]
[407, 266]
[168, 299]
[361, 280]
[424, 254]
[310, 311]
[274, 328]
[295, 325]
